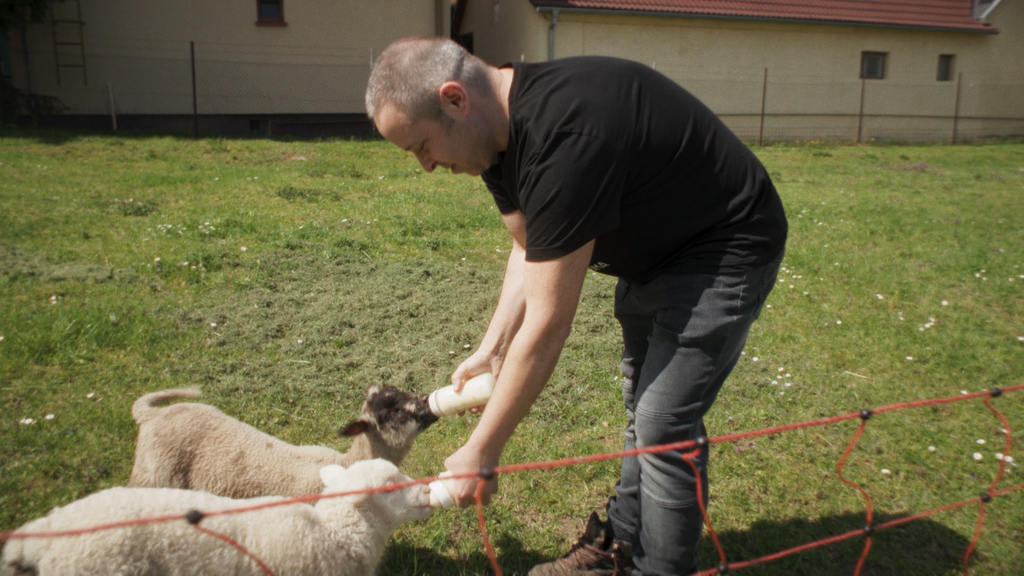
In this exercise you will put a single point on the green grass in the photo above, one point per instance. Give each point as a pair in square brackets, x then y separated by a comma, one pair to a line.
[285, 277]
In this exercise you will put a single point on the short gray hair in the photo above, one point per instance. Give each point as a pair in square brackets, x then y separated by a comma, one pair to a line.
[409, 72]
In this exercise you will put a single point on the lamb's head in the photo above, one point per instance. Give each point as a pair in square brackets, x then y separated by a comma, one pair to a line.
[399, 505]
[391, 420]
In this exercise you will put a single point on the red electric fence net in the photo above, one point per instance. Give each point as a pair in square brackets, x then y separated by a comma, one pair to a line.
[689, 449]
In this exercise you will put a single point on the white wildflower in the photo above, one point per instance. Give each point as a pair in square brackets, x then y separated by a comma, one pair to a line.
[981, 441]
[945, 303]
[931, 448]
[49, 416]
[27, 421]
[885, 471]
[977, 456]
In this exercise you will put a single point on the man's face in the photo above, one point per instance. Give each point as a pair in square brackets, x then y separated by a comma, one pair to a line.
[457, 146]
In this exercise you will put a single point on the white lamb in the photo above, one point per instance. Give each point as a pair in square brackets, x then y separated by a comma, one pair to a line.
[198, 447]
[340, 536]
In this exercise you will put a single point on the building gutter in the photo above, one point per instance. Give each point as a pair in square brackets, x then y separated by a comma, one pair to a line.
[598, 12]
[457, 14]
[551, 33]
[989, 10]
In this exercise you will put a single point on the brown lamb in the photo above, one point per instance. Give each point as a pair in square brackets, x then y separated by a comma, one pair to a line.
[198, 447]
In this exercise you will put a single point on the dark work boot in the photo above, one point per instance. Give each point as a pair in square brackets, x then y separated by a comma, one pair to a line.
[597, 553]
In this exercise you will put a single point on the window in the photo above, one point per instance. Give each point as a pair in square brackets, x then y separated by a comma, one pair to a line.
[945, 71]
[270, 12]
[872, 65]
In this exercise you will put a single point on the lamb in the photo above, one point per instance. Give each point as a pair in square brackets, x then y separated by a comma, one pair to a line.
[198, 447]
[343, 535]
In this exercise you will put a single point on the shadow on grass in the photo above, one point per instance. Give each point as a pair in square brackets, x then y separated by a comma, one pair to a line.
[60, 136]
[404, 560]
[922, 546]
[917, 547]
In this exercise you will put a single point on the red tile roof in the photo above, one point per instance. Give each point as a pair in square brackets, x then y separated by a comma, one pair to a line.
[924, 14]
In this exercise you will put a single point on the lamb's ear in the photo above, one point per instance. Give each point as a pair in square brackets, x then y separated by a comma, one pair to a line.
[332, 474]
[356, 427]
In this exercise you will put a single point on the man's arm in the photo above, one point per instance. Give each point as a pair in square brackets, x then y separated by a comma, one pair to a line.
[551, 291]
[508, 314]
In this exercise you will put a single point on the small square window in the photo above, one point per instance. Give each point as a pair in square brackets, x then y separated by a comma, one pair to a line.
[945, 71]
[270, 12]
[872, 65]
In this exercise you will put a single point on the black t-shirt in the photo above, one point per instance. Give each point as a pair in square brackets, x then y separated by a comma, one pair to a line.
[609, 149]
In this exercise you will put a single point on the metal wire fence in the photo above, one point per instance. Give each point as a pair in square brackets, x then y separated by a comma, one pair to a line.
[765, 106]
[246, 87]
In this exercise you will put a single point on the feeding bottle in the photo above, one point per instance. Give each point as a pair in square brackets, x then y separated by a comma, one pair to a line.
[475, 392]
[440, 497]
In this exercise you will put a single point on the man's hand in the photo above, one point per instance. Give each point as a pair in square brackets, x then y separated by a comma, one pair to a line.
[463, 490]
[479, 363]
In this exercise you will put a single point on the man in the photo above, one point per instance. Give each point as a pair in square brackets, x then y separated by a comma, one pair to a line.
[604, 164]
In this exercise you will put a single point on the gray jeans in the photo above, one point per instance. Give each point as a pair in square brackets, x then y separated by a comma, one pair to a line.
[683, 334]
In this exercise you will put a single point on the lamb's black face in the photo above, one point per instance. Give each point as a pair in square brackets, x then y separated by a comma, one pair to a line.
[394, 409]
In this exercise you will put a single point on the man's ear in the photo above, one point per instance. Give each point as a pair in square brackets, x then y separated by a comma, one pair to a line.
[454, 99]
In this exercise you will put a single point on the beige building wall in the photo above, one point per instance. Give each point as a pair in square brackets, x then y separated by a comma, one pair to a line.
[806, 75]
[317, 63]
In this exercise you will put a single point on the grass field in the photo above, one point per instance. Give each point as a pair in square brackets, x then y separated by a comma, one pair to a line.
[285, 277]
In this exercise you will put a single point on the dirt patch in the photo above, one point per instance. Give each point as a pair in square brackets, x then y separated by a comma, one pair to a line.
[78, 272]
[312, 325]
[15, 263]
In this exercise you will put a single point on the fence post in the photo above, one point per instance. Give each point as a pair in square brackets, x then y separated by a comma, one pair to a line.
[956, 106]
[113, 111]
[860, 115]
[764, 91]
[28, 78]
[195, 100]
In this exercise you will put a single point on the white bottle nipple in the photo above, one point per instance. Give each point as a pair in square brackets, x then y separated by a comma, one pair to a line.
[440, 497]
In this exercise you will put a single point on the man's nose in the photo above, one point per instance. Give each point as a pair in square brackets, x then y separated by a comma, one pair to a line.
[427, 163]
